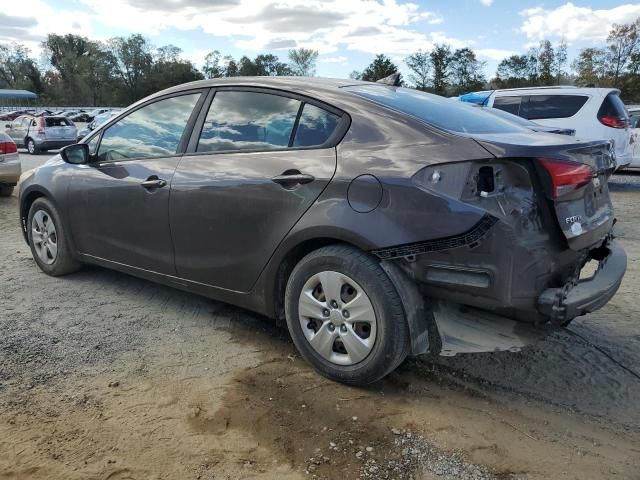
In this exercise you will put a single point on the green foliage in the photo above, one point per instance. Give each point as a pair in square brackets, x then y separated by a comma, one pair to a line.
[302, 62]
[419, 64]
[381, 67]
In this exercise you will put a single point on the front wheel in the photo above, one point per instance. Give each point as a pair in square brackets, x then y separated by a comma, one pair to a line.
[345, 316]
[48, 241]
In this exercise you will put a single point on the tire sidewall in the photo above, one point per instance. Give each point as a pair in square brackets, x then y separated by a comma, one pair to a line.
[391, 331]
[63, 262]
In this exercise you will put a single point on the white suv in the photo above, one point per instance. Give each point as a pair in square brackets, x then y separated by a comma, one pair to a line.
[594, 113]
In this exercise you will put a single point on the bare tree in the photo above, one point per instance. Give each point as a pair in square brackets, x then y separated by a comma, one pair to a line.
[302, 61]
[420, 65]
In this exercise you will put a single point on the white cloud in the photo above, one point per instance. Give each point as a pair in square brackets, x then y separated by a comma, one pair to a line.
[486, 3]
[340, 59]
[494, 53]
[575, 23]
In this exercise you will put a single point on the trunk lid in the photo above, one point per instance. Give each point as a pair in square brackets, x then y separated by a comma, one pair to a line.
[574, 175]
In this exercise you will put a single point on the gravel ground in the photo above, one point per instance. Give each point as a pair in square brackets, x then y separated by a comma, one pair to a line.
[105, 376]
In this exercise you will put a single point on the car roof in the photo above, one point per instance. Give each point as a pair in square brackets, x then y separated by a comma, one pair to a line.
[556, 90]
[303, 85]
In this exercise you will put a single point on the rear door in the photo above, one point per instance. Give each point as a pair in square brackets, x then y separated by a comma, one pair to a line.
[59, 128]
[18, 130]
[119, 203]
[257, 162]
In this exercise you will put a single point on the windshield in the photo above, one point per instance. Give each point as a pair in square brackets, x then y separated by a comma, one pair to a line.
[441, 112]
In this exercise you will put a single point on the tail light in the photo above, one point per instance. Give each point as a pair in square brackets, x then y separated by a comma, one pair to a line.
[566, 176]
[8, 147]
[614, 122]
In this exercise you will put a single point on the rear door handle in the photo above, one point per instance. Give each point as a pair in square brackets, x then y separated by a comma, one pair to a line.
[293, 178]
[152, 182]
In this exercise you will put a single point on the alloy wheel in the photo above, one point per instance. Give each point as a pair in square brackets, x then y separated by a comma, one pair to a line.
[337, 318]
[44, 237]
[31, 147]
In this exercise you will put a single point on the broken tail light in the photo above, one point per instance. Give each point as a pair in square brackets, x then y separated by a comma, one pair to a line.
[566, 175]
[8, 147]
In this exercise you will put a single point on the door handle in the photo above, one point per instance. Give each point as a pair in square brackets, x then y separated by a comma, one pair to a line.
[291, 178]
[153, 182]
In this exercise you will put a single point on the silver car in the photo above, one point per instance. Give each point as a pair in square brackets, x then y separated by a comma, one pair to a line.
[9, 165]
[42, 133]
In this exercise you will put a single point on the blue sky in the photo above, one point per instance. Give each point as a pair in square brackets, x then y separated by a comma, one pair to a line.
[347, 33]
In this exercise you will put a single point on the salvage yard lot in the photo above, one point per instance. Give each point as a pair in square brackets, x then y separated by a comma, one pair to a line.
[103, 375]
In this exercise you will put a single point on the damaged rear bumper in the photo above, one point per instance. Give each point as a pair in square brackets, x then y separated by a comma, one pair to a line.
[584, 296]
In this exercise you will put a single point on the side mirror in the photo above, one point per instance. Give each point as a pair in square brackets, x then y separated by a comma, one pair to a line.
[77, 154]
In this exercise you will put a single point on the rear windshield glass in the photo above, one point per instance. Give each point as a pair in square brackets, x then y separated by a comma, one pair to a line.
[441, 112]
[612, 106]
[552, 106]
[57, 122]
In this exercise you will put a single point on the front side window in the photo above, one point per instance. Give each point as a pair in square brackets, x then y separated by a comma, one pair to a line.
[241, 120]
[314, 127]
[552, 106]
[154, 130]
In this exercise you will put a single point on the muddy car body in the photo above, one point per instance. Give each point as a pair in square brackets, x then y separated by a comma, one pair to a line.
[448, 229]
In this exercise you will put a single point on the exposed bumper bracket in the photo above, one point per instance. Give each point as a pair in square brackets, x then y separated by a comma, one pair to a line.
[585, 296]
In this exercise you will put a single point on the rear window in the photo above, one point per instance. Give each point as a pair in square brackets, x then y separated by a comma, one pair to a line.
[612, 106]
[438, 111]
[57, 122]
[508, 104]
[552, 106]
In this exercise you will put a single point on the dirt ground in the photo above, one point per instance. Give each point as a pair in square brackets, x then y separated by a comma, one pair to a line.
[105, 376]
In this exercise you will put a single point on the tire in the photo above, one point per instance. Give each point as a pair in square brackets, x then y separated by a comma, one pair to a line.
[386, 338]
[31, 147]
[6, 190]
[42, 215]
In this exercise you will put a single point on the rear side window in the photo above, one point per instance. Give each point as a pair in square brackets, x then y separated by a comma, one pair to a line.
[612, 106]
[240, 120]
[552, 106]
[154, 130]
[315, 126]
[441, 112]
[508, 104]
[57, 122]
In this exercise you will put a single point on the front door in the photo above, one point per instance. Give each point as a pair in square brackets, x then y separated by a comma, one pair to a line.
[119, 203]
[252, 174]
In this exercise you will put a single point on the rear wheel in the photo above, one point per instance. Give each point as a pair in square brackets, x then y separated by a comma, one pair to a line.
[48, 241]
[31, 146]
[345, 316]
[6, 190]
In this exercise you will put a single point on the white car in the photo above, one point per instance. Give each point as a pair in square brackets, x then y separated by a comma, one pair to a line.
[9, 165]
[634, 118]
[594, 113]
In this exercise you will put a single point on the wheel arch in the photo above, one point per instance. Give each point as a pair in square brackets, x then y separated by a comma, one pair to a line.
[272, 283]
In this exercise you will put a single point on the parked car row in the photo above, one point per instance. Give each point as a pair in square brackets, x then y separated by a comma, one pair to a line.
[591, 113]
[378, 221]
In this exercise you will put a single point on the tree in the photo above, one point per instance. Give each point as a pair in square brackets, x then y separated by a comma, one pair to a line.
[232, 67]
[561, 60]
[381, 67]
[546, 63]
[302, 61]
[133, 62]
[591, 66]
[169, 69]
[355, 75]
[623, 43]
[269, 65]
[17, 70]
[465, 71]
[212, 67]
[440, 60]
[517, 71]
[419, 64]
